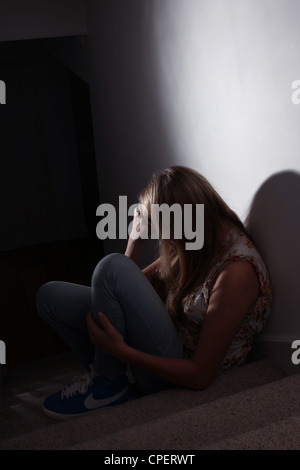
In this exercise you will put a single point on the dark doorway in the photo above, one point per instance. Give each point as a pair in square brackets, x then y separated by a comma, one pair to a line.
[48, 192]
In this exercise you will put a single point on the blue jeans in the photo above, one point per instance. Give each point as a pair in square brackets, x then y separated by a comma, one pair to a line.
[121, 291]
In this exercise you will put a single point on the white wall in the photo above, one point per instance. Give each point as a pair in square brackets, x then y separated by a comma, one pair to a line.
[225, 70]
[207, 84]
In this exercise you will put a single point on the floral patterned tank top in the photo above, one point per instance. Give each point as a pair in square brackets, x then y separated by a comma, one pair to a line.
[196, 303]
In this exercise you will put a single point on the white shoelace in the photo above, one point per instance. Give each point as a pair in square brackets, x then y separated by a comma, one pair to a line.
[80, 385]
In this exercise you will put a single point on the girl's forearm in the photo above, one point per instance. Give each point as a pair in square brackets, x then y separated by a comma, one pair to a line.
[183, 372]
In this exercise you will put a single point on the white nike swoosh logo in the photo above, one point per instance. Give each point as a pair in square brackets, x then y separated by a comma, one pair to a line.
[91, 403]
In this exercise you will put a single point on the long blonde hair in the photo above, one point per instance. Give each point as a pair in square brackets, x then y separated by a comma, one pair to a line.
[182, 269]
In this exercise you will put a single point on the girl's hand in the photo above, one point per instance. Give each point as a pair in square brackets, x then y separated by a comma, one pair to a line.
[139, 233]
[107, 338]
[140, 226]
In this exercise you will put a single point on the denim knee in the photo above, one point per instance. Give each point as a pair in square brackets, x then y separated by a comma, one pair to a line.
[43, 298]
[108, 266]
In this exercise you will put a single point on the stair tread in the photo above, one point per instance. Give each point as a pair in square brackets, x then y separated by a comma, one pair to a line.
[24, 426]
[280, 435]
[197, 427]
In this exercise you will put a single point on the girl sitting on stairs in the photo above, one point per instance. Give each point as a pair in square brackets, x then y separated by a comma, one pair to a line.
[178, 322]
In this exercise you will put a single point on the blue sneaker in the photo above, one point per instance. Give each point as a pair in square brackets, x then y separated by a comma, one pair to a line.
[89, 393]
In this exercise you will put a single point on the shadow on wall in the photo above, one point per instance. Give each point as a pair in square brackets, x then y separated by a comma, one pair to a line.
[131, 127]
[274, 224]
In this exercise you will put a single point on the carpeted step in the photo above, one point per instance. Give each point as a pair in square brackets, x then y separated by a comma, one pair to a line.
[282, 435]
[198, 427]
[23, 426]
[25, 388]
